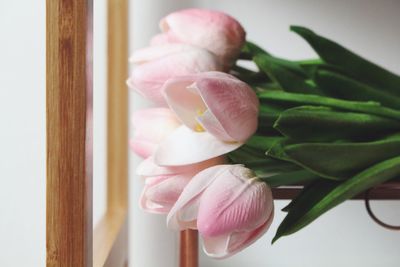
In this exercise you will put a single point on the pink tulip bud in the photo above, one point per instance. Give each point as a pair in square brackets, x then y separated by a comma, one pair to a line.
[151, 127]
[212, 30]
[228, 205]
[164, 185]
[156, 64]
[215, 102]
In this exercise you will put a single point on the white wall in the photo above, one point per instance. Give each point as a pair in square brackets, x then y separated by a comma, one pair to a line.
[22, 133]
[345, 236]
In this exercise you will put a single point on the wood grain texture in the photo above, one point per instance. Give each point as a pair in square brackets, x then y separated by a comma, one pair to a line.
[110, 235]
[189, 249]
[69, 195]
[117, 104]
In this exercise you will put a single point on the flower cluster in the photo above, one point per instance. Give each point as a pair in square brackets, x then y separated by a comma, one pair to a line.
[203, 113]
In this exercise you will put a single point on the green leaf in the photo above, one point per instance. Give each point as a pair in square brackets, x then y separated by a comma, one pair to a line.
[342, 160]
[303, 193]
[340, 86]
[250, 77]
[325, 195]
[262, 143]
[244, 156]
[278, 151]
[350, 63]
[263, 61]
[289, 75]
[267, 116]
[323, 124]
[285, 178]
[307, 63]
[282, 100]
[253, 49]
[256, 159]
[270, 166]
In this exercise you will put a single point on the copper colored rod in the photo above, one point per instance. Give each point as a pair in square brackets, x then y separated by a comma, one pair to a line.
[386, 191]
[189, 249]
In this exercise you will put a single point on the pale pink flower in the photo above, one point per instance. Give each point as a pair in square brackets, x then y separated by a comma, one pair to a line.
[163, 185]
[228, 205]
[219, 111]
[157, 64]
[151, 126]
[212, 30]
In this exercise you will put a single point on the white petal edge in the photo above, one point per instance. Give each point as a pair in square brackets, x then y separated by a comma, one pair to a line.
[148, 167]
[184, 146]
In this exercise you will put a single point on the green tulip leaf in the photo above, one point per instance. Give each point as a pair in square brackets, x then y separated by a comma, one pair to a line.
[262, 143]
[325, 195]
[289, 75]
[285, 178]
[342, 160]
[342, 87]
[253, 158]
[349, 62]
[267, 116]
[318, 124]
[252, 49]
[283, 100]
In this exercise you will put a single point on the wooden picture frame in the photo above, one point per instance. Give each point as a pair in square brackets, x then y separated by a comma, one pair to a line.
[69, 235]
[69, 101]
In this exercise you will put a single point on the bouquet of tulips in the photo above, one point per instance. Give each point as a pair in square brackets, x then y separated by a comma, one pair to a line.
[222, 135]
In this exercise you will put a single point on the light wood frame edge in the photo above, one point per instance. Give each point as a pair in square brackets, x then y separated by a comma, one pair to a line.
[110, 235]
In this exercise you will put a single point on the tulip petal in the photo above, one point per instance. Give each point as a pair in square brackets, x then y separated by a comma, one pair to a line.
[161, 193]
[150, 206]
[213, 30]
[235, 202]
[185, 102]
[155, 118]
[184, 146]
[227, 245]
[164, 38]
[234, 105]
[155, 52]
[148, 78]
[184, 213]
[149, 168]
[142, 148]
[209, 122]
[223, 105]
[216, 247]
[150, 128]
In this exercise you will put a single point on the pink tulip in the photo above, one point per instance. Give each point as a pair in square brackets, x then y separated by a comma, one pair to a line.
[151, 127]
[157, 64]
[212, 30]
[228, 205]
[164, 185]
[220, 110]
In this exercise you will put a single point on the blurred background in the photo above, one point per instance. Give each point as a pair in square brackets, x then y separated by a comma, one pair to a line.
[345, 236]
